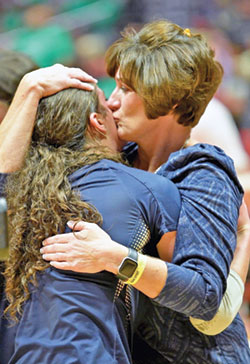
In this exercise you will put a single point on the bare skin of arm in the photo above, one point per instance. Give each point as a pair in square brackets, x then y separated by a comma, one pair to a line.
[16, 128]
[100, 252]
[233, 296]
[77, 252]
[240, 262]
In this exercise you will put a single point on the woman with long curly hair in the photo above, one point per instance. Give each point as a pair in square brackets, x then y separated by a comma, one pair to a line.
[73, 171]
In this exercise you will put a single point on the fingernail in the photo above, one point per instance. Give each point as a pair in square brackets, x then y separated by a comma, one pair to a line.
[41, 250]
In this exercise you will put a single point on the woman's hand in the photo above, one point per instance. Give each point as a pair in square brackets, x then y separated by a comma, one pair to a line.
[50, 80]
[17, 125]
[89, 250]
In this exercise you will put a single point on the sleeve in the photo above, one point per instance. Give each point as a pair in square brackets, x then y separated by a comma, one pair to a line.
[206, 234]
[157, 202]
[228, 309]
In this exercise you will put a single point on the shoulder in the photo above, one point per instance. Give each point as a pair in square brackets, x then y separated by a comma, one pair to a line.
[201, 160]
[133, 178]
[148, 191]
[157, 194]
[160, 186]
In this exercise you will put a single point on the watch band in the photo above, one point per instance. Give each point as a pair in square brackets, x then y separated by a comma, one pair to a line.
[142, 261]
[128, 265]
[133, 254]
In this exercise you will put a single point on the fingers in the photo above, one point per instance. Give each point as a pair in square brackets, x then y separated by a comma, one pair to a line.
[58, 239]
[61, 265]
[81, 75]
[55, 248]
[79, 225]
[58, 257]
[49, 80]
[75, 77]
[75, 83]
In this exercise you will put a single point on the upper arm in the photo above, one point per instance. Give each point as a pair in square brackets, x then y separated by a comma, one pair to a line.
[164, 206]
[206, 231]
[166, 245]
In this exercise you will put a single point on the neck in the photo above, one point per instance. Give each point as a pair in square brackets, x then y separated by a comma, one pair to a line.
[169, 137]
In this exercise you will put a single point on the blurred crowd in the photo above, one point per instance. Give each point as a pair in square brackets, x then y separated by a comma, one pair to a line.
[77, 33]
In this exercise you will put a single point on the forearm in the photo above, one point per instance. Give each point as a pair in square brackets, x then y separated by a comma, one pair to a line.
[16, 128]
[228, 309]
[240, 262]
[92, 250]
[206, 236]
[153, 277]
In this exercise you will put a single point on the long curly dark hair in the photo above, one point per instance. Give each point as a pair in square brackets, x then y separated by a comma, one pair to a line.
[40, 198]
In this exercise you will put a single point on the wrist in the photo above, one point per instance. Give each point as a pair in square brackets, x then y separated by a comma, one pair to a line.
[128, 266]
[31, 85]
[142, 261]
[114, 257]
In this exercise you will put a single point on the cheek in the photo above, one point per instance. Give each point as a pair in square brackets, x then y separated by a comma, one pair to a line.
[127, 104]
[134, 107]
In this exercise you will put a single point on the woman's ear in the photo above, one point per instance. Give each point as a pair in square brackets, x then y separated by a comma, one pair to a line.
[96, 123]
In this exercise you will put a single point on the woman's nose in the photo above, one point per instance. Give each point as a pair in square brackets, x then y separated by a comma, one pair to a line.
[113, 102]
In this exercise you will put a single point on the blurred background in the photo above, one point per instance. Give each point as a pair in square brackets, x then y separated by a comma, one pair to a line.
[78, 32]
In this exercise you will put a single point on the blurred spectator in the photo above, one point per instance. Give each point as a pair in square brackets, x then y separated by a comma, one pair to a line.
[13, 66]
[92, 59]
[45, 43]
[217, 127]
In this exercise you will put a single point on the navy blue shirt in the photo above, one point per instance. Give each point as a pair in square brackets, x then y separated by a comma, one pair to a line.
[206, 238]
[82, 318]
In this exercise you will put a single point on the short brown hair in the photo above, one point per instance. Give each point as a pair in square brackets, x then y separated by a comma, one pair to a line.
[170, 68]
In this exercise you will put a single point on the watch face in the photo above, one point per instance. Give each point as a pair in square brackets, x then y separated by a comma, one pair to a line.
[128, 268]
